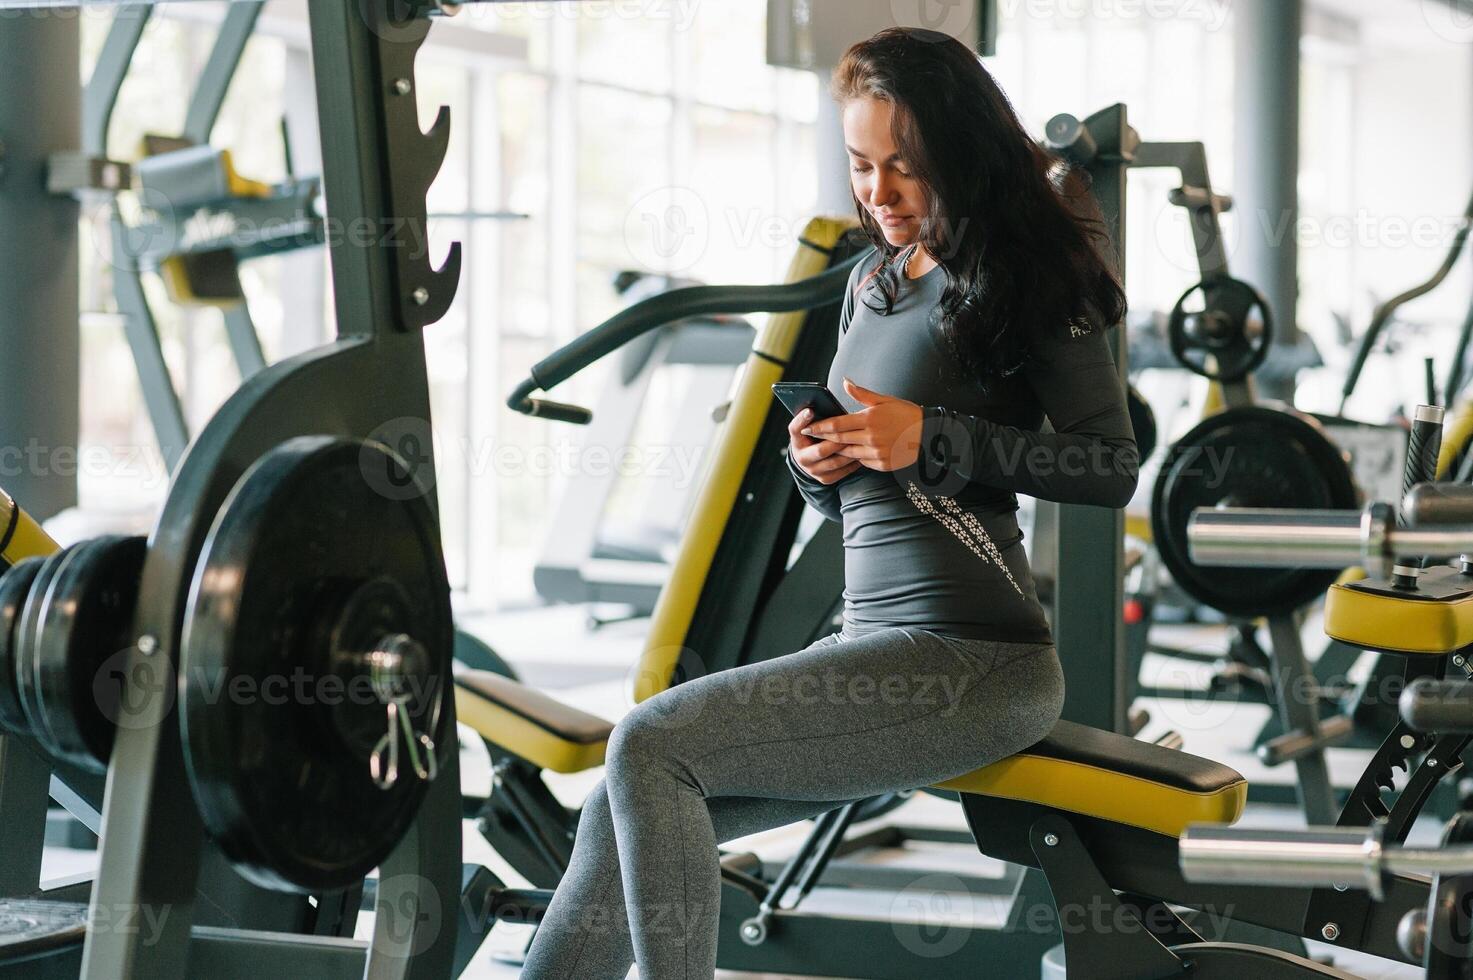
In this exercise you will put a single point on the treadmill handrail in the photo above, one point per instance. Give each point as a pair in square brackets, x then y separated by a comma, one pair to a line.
[657, 311]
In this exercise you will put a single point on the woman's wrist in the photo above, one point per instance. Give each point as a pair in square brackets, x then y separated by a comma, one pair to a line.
[936, 439]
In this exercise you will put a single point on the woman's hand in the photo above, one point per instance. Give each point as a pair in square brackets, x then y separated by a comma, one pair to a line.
[819, 459]
[885, 435]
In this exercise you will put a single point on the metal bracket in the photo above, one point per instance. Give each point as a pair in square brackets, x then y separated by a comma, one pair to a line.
[412, 159]
[1113, 952]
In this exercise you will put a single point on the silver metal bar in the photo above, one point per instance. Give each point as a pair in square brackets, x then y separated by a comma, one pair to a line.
[1319, 856]
[1247, 537]
[1270, 538]
[1342, 857]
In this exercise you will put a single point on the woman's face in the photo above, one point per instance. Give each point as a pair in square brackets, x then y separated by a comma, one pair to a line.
[882, 181]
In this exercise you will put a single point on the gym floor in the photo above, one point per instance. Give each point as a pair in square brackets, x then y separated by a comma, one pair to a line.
[553, 649]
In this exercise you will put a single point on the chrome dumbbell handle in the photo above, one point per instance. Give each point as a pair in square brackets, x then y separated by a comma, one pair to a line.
[1338, 857]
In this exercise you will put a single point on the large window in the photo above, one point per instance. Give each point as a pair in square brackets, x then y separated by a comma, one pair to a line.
[587, 140]
[618, 138]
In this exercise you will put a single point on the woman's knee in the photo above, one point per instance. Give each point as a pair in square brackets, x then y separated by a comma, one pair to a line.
[596, 814]
[646, 737]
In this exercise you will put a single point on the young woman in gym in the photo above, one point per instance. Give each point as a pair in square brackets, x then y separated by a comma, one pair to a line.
[983, 309]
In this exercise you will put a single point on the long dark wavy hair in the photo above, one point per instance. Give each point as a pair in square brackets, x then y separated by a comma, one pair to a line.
[1013, 224]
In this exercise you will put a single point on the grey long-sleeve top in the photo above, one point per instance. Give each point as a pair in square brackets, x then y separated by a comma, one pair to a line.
[936, 545]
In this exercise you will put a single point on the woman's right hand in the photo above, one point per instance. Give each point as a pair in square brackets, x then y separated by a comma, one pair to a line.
[817, 457]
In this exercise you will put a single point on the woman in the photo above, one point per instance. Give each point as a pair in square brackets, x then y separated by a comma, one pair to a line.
[982, 309]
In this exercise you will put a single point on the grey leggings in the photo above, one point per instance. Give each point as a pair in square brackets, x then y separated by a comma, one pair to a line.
[762, 746]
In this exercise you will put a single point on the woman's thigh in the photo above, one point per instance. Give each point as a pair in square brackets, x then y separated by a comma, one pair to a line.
[849, 716]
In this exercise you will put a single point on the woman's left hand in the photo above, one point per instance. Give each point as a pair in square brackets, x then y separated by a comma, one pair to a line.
[885, 435]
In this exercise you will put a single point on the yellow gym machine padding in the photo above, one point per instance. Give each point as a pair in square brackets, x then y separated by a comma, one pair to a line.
[538, 728]
[241, 186]
[1374, 621]
[1076, 769]
[1077, 787]
[20, 536]
[1456, 435]
[671, 619]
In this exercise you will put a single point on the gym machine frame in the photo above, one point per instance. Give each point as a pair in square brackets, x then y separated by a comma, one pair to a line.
[378, 164]
[161, 237]
[1349, 864]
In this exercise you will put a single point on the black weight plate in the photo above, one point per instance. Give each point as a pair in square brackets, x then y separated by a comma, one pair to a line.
[1220, 329]
[1142, 422]
[1247, 457]
[85, 622]
[279, 766]
[15, 585]
[25, 634]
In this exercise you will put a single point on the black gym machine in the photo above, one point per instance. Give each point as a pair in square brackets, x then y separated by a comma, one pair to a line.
[238, 822]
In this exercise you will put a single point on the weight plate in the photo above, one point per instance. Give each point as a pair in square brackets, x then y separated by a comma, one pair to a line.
[1247, 457]
[85, 621]
[1213, 330]
[1142, 422]
[15, 585]
[25, 635]
[310, 577]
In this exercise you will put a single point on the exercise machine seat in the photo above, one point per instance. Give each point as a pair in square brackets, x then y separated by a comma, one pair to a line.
[529, 724]
[1435, 620]
[1076, 768]
[1114, 777]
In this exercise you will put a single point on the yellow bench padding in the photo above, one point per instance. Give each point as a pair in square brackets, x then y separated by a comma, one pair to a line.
[1070, 786]
[1093, 792]
[524, 738]
[1383, 622]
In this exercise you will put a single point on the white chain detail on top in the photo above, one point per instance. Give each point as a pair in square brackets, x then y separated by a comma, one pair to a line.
[960, 527]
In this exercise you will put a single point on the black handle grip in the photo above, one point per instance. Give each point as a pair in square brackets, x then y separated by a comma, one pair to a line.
[558, 411]
[1423, 445]
[1444, 707]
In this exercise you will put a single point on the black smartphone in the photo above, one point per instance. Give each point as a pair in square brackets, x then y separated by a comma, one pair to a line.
[798, 395]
